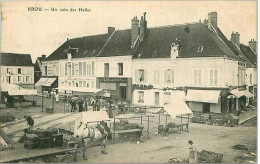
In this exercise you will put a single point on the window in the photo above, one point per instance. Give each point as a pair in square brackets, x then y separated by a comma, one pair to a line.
[89, 71]
[156, 76]
[250, 78]
[106, 69]
[141, 97]
[169, 76]
[213, 77]
[197, 77]
[140, 75]
[27, 78]
[66, 69]
[84, 83]
[69, 83]
[167, 97]
[77, 84]
[19, 78]
[8, 79]
[8, 70]
[69, 69]
[92, 84]
[84, 68]
[80, 68]
[200, 49]
[120, 68]
[19, 71]
[73, 69]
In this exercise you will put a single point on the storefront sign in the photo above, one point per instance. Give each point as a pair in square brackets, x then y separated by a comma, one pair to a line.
[112, 80]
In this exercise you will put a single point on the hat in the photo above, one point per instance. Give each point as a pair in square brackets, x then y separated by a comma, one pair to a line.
[190, 142]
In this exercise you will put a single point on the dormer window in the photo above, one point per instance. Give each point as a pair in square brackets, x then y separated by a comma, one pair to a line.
[69, 56]
[200, 49]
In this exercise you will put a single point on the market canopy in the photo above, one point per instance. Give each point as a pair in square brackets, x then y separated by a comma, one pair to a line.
[177, 109]
[207, 96]
[46, 81]
[94, 116]
[103, 93]
[239, 94]
[15, 90]
[78, 89]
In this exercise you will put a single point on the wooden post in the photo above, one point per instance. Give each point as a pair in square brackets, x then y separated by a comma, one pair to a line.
[64, 107]
[141, 119]
[114, 128]
[166, 119]
[159, 118]
[42, 99]
[148, 128]
[181, 118]
[236, 104]
[188, 118]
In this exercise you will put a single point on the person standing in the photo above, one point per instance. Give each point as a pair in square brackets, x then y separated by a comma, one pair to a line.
[30, 122]
[193, 157]
[57, 98]
[98, 104]
[80, 103]
[85, 104]
[94, 104]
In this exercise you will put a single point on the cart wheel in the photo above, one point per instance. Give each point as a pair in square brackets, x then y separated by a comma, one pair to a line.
[67, 158]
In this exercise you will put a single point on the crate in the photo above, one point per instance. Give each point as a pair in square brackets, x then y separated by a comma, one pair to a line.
[49, 110]
[31, 145]
[44, 142]
[69, 144]
[56, 140]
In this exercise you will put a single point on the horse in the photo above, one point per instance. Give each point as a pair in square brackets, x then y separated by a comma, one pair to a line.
[90, 136]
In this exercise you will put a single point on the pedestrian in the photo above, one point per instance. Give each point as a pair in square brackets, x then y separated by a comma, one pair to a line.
[85, 105]
[57, 98]
[98, 104]
[30, 122]
[73, 105]
[193, 157]
[94, 102]
[80, 103]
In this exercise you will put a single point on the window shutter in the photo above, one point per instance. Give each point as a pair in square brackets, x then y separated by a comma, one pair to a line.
[93, 68]
[137, 76]
[172, 76]
[145, 76]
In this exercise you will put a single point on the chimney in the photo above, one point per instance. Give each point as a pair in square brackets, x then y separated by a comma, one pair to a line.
[143, 26]
[235, 38]
[110, 30]
[43, 56]
[135, 29]
[213, 19]
[252, 45]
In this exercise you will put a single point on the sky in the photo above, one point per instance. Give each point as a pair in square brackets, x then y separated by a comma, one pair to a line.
[42, 32]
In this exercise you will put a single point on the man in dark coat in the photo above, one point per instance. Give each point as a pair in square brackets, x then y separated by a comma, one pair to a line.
[30, 122]
[80, 103]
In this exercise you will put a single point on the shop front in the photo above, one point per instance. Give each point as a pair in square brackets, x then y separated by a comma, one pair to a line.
[119, 88]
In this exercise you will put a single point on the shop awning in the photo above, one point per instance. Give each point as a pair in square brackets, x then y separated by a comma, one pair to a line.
[207, 96]
[103, 93]
[94, 116]
[239, 94]
[15, 90]
[79, 89]
[177, 109]
[44, 81]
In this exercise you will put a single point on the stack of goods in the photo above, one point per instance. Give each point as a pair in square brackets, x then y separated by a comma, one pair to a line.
[128, 131]
[124, 125]
[209, 157]
[43, 138]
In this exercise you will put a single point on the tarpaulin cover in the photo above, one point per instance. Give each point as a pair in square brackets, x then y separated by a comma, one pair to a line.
[238, 93]
[44, 81]
[155, 110]
[207, 96]
[94, 116]
[103, 93]
[177, 109]
[15, 90]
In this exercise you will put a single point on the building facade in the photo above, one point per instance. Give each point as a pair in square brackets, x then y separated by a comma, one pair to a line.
[17, 69]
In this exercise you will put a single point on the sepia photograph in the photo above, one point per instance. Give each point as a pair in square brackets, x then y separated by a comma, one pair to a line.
[128, 81]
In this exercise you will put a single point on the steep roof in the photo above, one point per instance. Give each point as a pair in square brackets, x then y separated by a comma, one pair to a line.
[14, 59]
[88, 46]
[190, 37]
[235, 49]
[249, 53]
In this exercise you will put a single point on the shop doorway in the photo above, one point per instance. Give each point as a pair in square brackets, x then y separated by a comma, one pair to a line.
[123, 93]
[206, 107]
[156, 98]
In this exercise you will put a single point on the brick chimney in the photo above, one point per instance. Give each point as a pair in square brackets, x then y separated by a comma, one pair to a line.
[110, 30]
[213, 19]
[143, 26]
[235, 38]
[252, 45]
[135, 29]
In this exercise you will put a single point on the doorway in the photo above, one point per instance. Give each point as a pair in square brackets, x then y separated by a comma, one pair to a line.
[156, 99]
[206, 107]
[123, 93]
